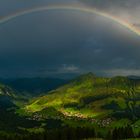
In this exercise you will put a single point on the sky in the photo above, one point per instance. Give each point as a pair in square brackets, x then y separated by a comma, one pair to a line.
[65, 43]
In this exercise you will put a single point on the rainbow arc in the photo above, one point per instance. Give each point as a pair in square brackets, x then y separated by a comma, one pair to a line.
[122, 22]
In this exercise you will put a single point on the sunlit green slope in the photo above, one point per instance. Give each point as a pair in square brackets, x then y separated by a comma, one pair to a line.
[91, 96]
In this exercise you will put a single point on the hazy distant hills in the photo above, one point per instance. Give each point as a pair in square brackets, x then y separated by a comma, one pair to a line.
[33, 86]
[91, 96]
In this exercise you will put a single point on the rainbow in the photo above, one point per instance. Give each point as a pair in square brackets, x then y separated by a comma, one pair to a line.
[75, 8]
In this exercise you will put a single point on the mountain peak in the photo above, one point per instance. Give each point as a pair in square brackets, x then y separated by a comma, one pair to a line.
[89, 76]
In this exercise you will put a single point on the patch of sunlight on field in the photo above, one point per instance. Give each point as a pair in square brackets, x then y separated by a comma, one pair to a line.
[33, 108]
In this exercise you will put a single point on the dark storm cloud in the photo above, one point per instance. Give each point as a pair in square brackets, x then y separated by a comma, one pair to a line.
[8, 6]
[126, 9]
[115, 3]
[52, 43]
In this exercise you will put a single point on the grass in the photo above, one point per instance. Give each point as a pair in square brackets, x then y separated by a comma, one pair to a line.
[120, 123]
[92, 97]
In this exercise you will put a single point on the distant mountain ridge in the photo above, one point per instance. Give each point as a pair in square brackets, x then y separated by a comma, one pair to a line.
[33, 86]
[134, 77]
[6, 91]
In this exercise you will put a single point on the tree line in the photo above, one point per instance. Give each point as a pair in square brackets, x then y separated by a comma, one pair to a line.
[72, 133]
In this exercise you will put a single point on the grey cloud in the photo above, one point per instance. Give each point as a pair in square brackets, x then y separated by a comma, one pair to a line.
[125, 9]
